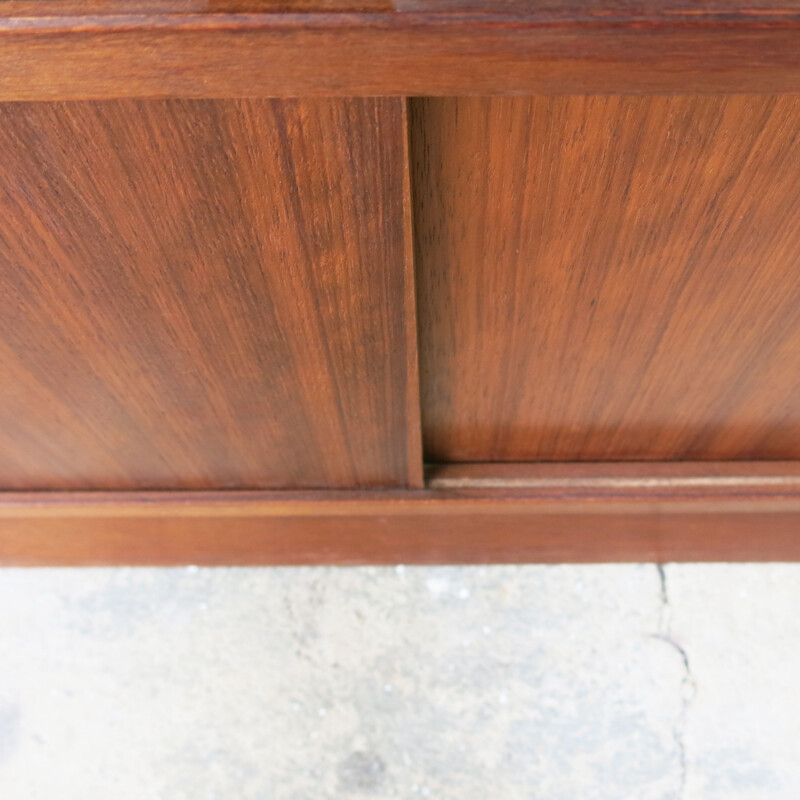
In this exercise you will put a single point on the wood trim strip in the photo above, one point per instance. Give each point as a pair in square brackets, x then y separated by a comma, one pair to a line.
[564, 513]
[96, 50]
[532, 11]
[414, 454]
[673, 480]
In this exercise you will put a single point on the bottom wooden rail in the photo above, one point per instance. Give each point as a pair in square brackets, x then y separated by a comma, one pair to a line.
[469, 513]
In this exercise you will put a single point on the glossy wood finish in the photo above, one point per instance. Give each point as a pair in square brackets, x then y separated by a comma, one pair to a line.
[203, 294]
[609, 278]
[187, 48]
[471, 514]
[616, 10]
[218, 294]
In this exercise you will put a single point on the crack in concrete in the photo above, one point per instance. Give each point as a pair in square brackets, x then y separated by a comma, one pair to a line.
[688, 684]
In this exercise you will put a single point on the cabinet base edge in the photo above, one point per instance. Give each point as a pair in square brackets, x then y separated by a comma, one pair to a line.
[468, 514]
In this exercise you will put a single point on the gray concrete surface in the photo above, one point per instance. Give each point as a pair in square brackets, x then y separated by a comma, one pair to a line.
[579, 683]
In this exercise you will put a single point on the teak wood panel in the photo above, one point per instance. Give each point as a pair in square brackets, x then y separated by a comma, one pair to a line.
[205, 294]
[608, 278]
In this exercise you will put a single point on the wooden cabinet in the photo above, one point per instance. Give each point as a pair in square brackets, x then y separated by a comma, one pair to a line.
[260, 265]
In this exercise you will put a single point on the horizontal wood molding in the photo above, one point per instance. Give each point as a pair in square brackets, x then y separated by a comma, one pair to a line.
[97, 50]
[467, 514]
[673, 481]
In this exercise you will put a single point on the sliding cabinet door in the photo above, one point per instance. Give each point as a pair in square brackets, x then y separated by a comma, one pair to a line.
[607, 278]
[206, 294]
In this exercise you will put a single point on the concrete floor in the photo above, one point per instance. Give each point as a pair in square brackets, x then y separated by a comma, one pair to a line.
[573, 683]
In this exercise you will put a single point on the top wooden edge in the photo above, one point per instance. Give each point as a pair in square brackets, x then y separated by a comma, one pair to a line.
[530, 11]
[108, 49]
[35, 9]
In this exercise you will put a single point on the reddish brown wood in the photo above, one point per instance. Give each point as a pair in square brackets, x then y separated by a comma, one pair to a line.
[205, 294]
[745, 512]
[609, 278]
[414, 456]
[219, 294]
[59, 11]
[642, 10]
[532, 11]
[122, 48]
[673, 481]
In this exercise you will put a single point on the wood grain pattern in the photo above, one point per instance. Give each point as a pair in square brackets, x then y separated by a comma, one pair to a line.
[470, 514]
[609, 278]
[205, 294]
[538, 11]
[184, 48]
[643, 10]
[415, 475]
